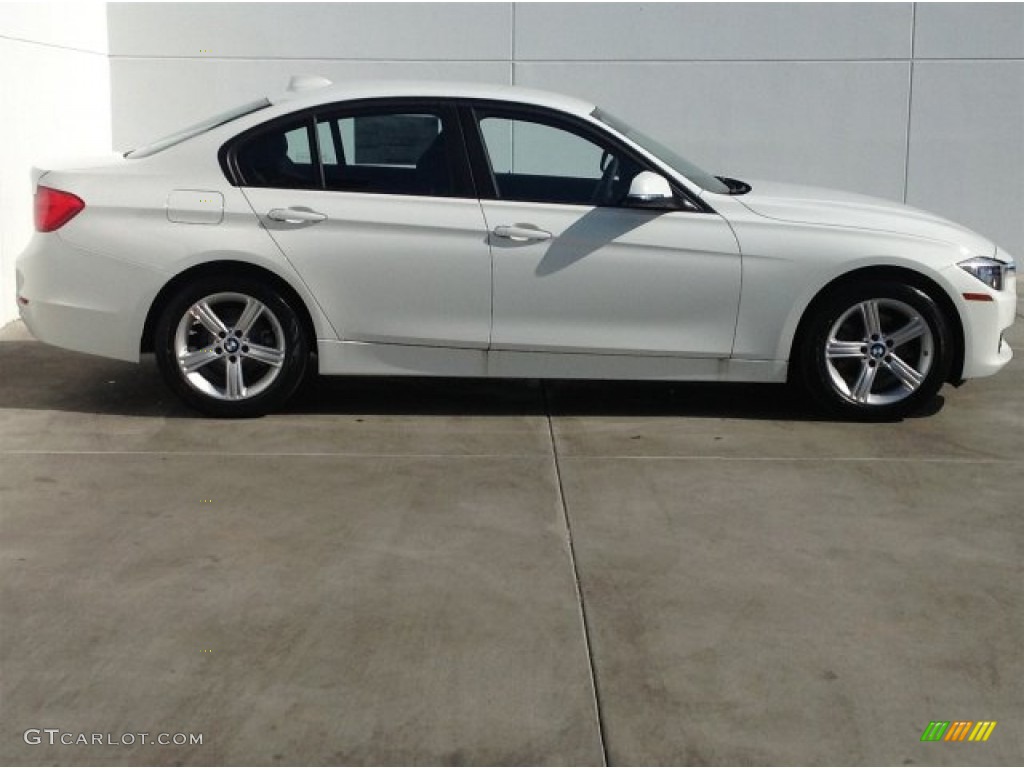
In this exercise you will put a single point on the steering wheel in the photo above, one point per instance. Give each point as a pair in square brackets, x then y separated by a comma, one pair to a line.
[603, 191]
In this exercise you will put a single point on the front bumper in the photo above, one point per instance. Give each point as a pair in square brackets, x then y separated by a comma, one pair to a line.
[985, 323]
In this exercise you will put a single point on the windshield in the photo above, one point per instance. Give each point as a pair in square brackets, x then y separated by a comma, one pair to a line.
[206, 125]
[679, 164]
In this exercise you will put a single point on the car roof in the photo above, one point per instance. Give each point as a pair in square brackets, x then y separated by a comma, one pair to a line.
[368, 89]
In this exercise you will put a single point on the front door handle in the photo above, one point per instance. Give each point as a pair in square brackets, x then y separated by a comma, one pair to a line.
[296, 215]
[521, 233]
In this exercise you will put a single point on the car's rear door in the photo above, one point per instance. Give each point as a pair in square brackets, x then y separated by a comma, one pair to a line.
[386, 229]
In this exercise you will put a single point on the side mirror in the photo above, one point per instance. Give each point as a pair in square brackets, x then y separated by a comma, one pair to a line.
[649, 190]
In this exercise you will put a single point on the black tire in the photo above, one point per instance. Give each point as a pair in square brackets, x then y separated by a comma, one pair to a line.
[250, 365]
[874, 364]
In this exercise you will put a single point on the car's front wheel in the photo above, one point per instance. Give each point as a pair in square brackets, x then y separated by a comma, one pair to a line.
[875, 350]
[231, 346]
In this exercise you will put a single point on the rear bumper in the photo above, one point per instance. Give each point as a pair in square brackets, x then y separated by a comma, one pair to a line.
[83, 301]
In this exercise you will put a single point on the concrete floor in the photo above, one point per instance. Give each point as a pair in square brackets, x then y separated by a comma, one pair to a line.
[391, 572]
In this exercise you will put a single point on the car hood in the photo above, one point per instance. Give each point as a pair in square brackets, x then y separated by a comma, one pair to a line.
[814, 205]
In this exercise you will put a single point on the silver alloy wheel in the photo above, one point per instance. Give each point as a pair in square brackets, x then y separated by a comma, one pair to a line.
[879, 352]
[229, 346]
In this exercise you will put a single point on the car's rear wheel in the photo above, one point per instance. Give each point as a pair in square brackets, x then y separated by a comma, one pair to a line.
[875, 350]
[231, 346]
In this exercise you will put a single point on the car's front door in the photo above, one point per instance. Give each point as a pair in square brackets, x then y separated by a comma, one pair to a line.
[385, 229]
[578, 270]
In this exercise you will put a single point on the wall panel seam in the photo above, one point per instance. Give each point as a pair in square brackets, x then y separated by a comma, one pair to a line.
[369, 60]
[910, 102]
[345, 60]
[26, 41]
[878, 60]
[512, 45]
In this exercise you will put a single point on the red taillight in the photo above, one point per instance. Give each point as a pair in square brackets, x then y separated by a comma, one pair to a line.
[54, 208]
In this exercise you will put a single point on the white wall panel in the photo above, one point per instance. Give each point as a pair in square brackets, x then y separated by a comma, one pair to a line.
[833, 124]
[967, 146]
[152, 98]
[711, 31]
[389, 31]
[54, 100]
[159, 52]
[79, 26]
[969, 31]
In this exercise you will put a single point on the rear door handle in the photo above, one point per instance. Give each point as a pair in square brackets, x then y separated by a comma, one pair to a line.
[296, 215]
[521, 233]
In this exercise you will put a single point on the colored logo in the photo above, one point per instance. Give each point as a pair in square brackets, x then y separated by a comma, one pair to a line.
[958, 730]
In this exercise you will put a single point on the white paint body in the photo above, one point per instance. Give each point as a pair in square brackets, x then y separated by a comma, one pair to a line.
[421, 286]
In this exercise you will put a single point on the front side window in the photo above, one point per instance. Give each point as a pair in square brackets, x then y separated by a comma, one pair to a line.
[534, 161]
[281, 157]
[395, 153]
[678, 163]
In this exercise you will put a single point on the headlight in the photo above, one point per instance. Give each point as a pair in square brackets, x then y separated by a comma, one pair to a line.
[991, 272]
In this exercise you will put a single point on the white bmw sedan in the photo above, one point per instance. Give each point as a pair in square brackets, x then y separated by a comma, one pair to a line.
[465, 230]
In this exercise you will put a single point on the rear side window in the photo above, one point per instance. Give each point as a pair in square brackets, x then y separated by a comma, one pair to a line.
[281, 157]
[411, 148]
[393, 153]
